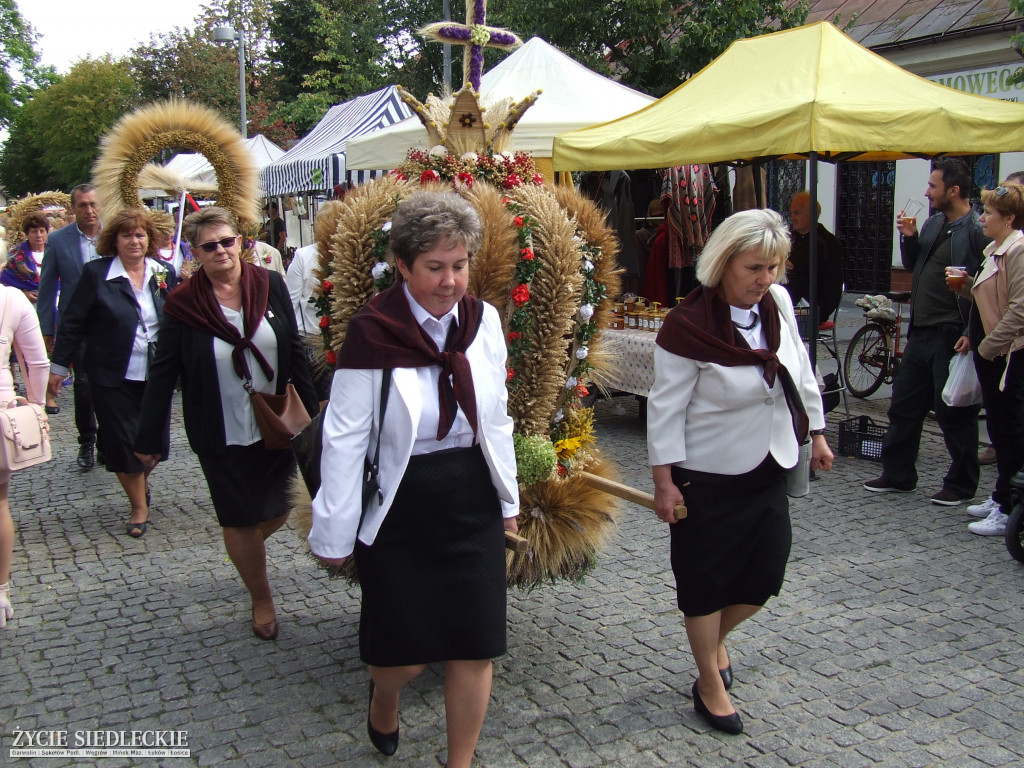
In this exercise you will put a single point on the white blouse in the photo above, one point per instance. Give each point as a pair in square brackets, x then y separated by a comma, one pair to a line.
[240, 426]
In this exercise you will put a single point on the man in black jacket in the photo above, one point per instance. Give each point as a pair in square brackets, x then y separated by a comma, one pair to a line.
[938, 320]
[830, 260]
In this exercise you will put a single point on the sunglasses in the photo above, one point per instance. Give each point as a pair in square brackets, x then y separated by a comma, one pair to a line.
[224, 243]
[1001, 191]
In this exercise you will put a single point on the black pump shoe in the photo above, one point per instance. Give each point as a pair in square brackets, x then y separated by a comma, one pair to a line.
[386, 743]
[726, 676]
[725, 723]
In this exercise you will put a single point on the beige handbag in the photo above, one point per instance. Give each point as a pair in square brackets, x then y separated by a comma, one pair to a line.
[24, 435]
[24, 430]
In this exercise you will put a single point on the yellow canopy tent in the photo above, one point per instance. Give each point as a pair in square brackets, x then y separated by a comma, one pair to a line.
[805, 90]
[808, 92]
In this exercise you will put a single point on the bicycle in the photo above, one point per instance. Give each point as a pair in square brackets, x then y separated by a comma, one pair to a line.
[873, 355]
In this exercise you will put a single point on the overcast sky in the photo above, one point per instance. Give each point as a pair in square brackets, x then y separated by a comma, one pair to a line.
[73, 29]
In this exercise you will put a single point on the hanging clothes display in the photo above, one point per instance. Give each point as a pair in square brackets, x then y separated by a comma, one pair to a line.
[611, 191]
[688, 192]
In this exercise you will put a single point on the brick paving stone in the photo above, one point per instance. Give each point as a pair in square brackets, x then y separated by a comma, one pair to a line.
[894, 642]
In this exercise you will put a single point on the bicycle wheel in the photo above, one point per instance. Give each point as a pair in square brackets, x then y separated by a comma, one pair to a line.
[1014, 536]
[867, 359]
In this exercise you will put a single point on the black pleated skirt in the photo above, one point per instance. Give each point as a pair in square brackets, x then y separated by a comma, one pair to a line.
[733, 545]
[433, 581]
[248, 484]
[117, 413]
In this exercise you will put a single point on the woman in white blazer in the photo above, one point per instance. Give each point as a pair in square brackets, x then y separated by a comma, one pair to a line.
[733, 398]
[429, 548]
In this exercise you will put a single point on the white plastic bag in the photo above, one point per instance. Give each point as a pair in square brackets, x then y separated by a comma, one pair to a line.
[962, 386]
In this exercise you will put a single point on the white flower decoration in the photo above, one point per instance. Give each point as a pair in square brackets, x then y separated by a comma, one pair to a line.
[587, 311]
[471, 157]
[582, 352]
[571, 382]
[559, 415]
[588, 266]
[386, 227]
[438, 151]
[380, 270]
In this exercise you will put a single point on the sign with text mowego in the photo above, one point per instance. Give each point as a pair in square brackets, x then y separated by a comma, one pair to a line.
[990, 81]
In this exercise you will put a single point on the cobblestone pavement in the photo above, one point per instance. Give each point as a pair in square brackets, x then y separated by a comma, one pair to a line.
[896, 640]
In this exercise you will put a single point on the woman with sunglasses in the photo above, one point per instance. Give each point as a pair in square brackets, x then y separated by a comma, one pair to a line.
[230, 324]
[996, 334]
[117, 311]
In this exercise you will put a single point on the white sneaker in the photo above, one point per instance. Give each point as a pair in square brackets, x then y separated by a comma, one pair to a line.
[993, 525]
[986, 508]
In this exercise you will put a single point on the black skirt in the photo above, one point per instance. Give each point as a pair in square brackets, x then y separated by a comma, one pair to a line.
[249, 484]
[117, 414]
[733, 545]
[433, 581]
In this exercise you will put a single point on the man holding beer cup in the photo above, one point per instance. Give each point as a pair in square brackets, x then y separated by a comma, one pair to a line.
[938, 319]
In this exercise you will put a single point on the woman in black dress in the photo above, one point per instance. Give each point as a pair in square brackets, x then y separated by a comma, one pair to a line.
[117, 311]
[231, 321]
[733, 398]
[429, 550]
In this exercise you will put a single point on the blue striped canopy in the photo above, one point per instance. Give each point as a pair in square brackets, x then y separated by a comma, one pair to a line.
[317, 162]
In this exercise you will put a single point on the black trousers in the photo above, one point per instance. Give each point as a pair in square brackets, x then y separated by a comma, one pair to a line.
[917, 390]
[85, 415]
[1004, 412]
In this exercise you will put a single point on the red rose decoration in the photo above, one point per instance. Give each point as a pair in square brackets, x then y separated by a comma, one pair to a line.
[465, 178]
[562, 471]
[325, 321]
[163, 286]
[509, 374]
[538, 179]
[332, 357]
[515, 336]
[399, 175]
[581, 391]
[521, 294]
[429, 175]
[19, 257]
[506, 201]
[267, 258]
[526, 254]
[326, 285]
[513, 180]
[518, 221]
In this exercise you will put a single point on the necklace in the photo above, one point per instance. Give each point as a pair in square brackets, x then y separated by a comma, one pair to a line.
[228, 296]
[748, 327]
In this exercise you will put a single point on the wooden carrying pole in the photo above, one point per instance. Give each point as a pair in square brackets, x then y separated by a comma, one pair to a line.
[627, 492]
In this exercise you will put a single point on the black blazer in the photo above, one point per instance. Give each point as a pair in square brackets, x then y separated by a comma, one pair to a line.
[104, 314]
[188, 352]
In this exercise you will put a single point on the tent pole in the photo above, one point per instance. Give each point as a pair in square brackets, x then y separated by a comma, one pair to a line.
[812, 256]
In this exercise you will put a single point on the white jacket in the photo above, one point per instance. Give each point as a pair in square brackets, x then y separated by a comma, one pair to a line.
[714, 418]
[350, 434]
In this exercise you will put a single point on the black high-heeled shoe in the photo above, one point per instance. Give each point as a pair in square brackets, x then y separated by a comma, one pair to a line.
[724, 723]
[726, 676]
[386, 743]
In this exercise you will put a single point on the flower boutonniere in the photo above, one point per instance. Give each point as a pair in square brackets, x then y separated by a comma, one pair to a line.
[160, 275]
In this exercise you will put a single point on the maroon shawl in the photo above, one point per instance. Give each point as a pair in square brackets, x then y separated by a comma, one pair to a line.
[195, 304]
[385, 334]
[701, 328]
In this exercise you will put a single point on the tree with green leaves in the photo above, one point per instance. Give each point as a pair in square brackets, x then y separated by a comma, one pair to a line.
[21, 172]
[1017, 39]
[20, 72]
[69, 118]
[187, 64]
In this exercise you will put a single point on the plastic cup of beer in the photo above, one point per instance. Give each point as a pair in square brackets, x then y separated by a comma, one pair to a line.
[955, 277]
[911, 210]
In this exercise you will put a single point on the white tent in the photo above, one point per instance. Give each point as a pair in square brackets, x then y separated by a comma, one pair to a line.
[318, 161]
[572, 97]
[194, 166]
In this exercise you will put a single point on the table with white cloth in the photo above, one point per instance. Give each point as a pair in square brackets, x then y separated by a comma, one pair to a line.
[632, 353]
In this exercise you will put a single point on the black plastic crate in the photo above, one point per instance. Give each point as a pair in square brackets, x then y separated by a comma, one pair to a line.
[861, 438]
[803, 321]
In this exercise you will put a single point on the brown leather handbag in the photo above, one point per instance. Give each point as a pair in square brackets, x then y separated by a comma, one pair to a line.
[279, 417]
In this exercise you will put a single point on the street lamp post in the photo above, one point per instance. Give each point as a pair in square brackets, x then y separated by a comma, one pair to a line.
[229, 35]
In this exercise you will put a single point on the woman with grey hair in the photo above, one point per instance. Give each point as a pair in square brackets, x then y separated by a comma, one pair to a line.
[429, 546]
[734, 397]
